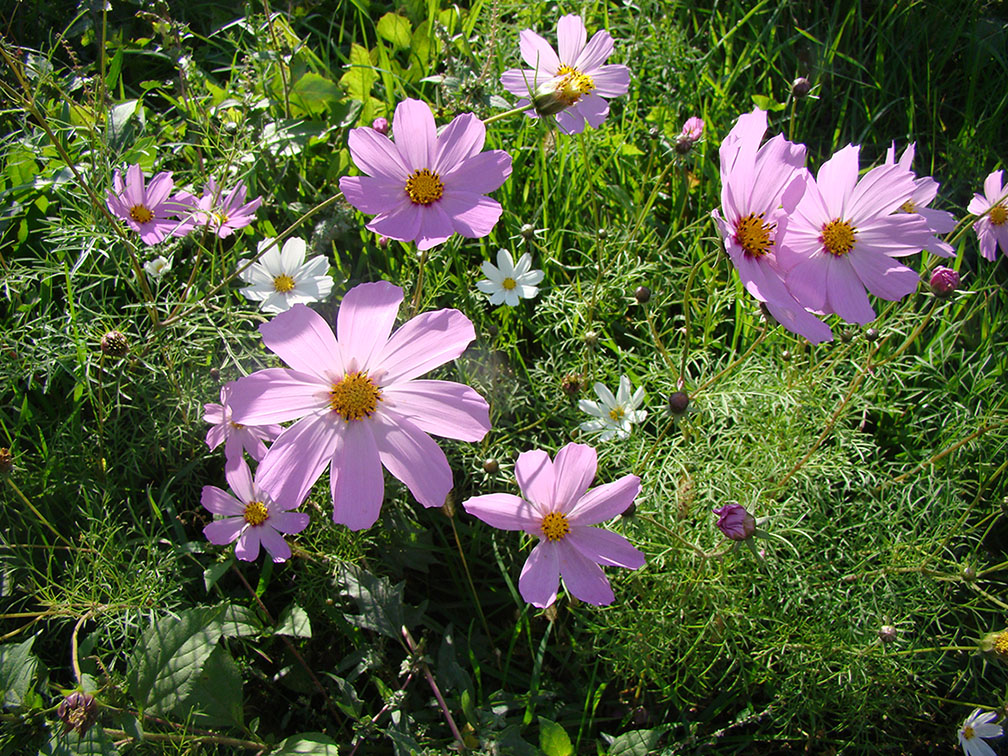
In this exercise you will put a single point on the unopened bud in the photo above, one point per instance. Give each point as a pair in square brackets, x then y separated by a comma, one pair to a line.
[603, 233]
[114, 344]
[527, 232]
[800, 87]
[944, 281]
[383, 242]
[490, 466]
[78, 711]
[887, 633]
[380, 125]
[214, 374]
[590, 338]
[785, 355]
[678, 402]
[969, 573]
[642, 295]
[871, 334]
[449, 504]
[735, 522]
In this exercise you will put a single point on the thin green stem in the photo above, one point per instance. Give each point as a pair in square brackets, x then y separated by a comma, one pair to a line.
[507, 114]
[35, 511]
[686, 311]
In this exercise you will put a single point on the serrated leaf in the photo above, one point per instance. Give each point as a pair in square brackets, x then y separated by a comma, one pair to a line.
[314, 94]
[294, 622]
[635, 743]
[553, 739]
[239, 622]
[395, 29]
[308, 744]
[168, 659]
[216, 696]
[92, 743]
[17, 671]
[380, 603]
[215, 572]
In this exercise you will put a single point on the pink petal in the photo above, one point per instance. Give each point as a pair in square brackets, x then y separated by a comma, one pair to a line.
[297, 458]
[570, 121]
[355, 477]
[372, 195]
[573, 471]
[415, 133]
[435, 226]
[790, 314]
[221, 532]
[135, 194]
[807, 282]
[605, 547]
[444, 408]
[583, 578]
[883, 276]
[289, 522]
[540, 577]
[366, 316]
[159, 189]
[472, 215]
[239, 478]
[836, 180]
[846, 295]
[571, 36]
[216, 435]
[534, 471]
[247, 548]
[276, 395]
[595, 53]
[220, 502]
[593, 108]
[302, 338]
[879, 192]
[233, 450]
[504, 511]
[274, 543]
[992, 187]
[611, 81]
[423, 343]
[401, 222]
[376, 155]
[520, 81]
[479, 174]
[605, 502]
[461, 139]
[414, 458]
[537, 53]
[978, 204]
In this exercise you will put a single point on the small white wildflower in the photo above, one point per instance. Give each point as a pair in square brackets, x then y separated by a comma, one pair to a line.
[281, 278]
[616, 414]
[979, 725]
[508, 283]
[157, 267]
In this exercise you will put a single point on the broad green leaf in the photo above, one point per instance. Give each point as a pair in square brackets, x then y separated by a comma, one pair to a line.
[114, 69]
[239, 622]
[767, 103]
[510, 741]
[216, 697]
[17, 671]
[92, 743]
[395, 29]
[308, 744]
[380, 603]
[635, 743]
[553, 739]
[314, 94]
[215, 572]
[294, 622]
[360, 75]
[168, 659]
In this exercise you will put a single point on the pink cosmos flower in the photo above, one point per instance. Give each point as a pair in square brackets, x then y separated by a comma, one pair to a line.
[224, 214]
[760, 188]
[252, 516]
[938, 221]
[692, 129]
[844, 235]
[992, 229]
[147, 209]
[735, 522]
[571, 84]
[359, 403]
[424, 187]
[557, 506]
[235, 437]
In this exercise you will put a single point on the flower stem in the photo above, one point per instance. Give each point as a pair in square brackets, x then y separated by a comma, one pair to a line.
[411, 644]
[508, 113]
[38, 514]
[418, 291]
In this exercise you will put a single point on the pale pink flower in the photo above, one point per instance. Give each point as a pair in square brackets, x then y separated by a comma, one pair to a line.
[760, 188]
[147, 209]
[570, 84]
[557, 506]
[359, 403]
[844, 234]
[222, 213]
[253, 516]
[234, 436]
[426, 186]
[692, 129]
[992, 229]
[938, 221]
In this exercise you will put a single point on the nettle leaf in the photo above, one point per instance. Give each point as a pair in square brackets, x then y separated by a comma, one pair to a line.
[395, 29]
[553, 739]
[360, 75]
[635, 743]
[294, 622]
[92, 743]
[314, 94]
[239, 622]
[380, 603]
[216, 697]
[18, 667]
[169, 657]
[308, 744]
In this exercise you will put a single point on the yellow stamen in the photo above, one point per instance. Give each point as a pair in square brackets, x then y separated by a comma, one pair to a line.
[508, 283]
[752, 233]
[1001, 644]
[555, 526]
[355, 396]
[968, 732]
[574, 84]
[616, 413]
[283, 283]
[908, 207]
[998, 215]
[141, 214]
[424, 187]
[838, 237]
[256, 513]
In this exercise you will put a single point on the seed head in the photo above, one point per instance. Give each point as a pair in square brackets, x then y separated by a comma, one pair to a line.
[114, 344]
[78, 711]
[527, 232]
[490, 466]
[887, 633]
[590, 338]
[800, 87]
[642, 295]
[571, 384]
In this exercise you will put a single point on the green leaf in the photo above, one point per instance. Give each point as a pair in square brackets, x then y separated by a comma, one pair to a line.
[215, 572]
[360, 75]
[216, 697]
[635, 743]
[92, 743]
[395, 29]
[17, 671]
[114, 69]
[380, 603]
[310, 743]
[553, 739]
[294, 622]
[168, 659]
[510, 741]
[239, 622]
[767, 103]
[314, 94]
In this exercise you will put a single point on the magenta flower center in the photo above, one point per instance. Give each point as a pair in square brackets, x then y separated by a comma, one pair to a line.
[555, 526]
[256, 513]
[998, 215]
[424, 187]
[283, 283]
[838, 237]
[574, 84]
[355, 396]
[141, 214]
[754, 235]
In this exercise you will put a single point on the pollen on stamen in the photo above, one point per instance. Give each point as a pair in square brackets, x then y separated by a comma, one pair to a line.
[141, 214]
[424, 187]
[283, 283]
[256, 513]
[998, 215]
[838, 237]
[617, 413]
[754, 235]
[508, 283]
[908, 207]
[555, 526]
[574, 84]
[355, 396]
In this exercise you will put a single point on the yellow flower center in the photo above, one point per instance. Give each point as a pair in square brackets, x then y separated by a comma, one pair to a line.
[508, 283]
[236, 426]
[355, 396]
[616, 413]
[256, 513]
[424, 187]
[141, 214]
[838, 237]
[998, 214]
[555, 526]
[283, 283]
[908, 207]
[574, 85]
[1001, 644]
[968, 732]
[752, 233]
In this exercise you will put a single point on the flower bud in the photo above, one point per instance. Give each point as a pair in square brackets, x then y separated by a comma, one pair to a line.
[78, 711]
[490, 466]
[527, 232]
[114, 344]
[642, 295]
[215, 374]
[785, 355]
[678, 402]
[383, 242]
[571, 384]
[380, 125]
[735, 522]
[871, 334]
[6, 461]
[800, 87]
[944, 281]
[590, 338]
[887, 633]
[691, 132]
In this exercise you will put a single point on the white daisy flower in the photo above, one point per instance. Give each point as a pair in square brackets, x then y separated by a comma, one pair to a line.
[507, 282]
[616, 414]
[282, 278]
[979, 725]
[157, 267]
